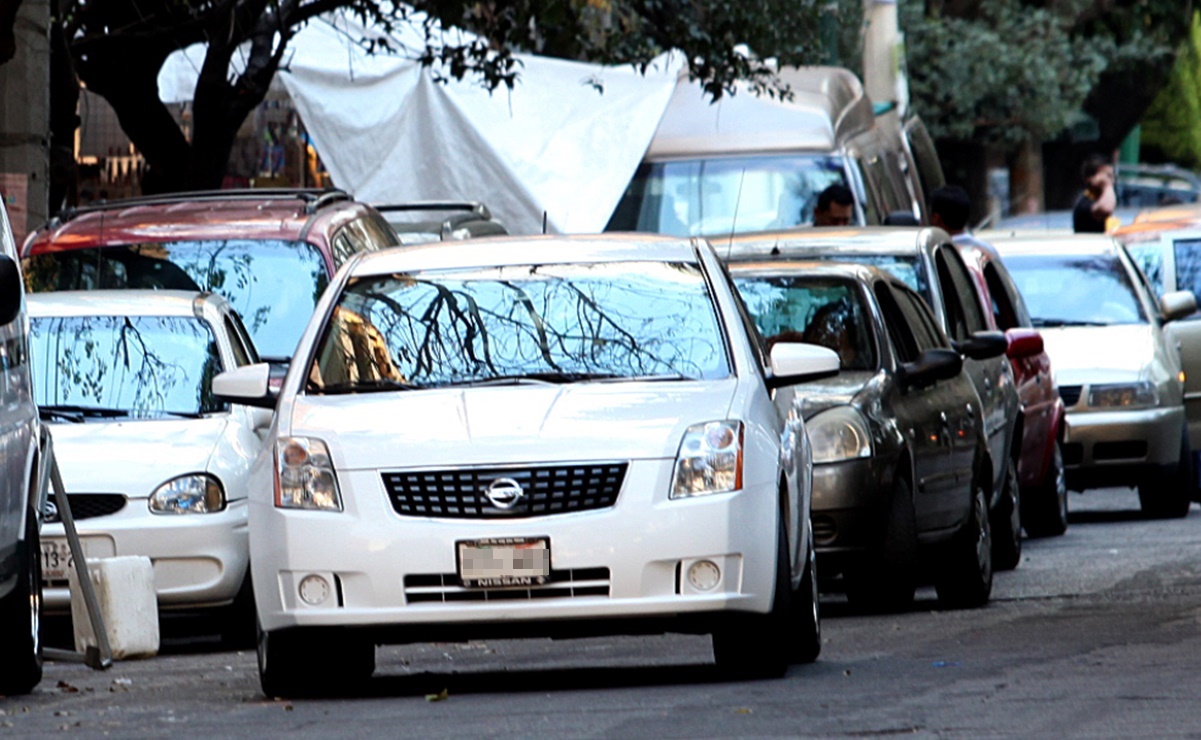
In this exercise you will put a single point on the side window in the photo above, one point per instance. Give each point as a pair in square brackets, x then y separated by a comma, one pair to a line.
[921, 320]
[343, 247]
[903, 341]
[964, 314]
[380, 235]
[1149, 256]
[1188, 266]
[1003, 310]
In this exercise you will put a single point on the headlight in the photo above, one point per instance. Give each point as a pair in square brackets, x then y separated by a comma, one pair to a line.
[304, 475]
[1123, 395]
[188, 494]
[710, 460]
[839, 434]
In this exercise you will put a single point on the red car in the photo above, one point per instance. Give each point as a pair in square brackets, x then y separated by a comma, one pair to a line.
[270, 253]
[1043, 489]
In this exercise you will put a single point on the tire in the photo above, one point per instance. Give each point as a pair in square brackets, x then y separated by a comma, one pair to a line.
[21, 617]
[965, 578]
[238, 619]
[1045, 507]
[754, 646]
[1170, 495]
[806, 608]
[885, 577]
[1006, 523]
[306, 663]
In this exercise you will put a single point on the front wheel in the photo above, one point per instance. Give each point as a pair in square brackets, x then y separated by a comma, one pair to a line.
[1007, 523]
[1045, 507]
[299, 662]
[965, 577]
[807, 608]
[21, 617]
[1169, 495]
[751, 646]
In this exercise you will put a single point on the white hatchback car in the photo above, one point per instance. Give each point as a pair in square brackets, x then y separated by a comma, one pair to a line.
[153, 463]
[531, 436]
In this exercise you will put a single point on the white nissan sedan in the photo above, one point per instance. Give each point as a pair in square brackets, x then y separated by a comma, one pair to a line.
[153, 463]
[531, 436]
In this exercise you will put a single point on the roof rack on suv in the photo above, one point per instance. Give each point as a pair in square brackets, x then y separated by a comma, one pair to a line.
[313, 198]
[474, 209]
[473, 214]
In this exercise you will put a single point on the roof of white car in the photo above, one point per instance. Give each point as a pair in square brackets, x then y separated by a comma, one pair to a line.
[1051, 243]
[117, 303]
[527, 250]
[805, 241]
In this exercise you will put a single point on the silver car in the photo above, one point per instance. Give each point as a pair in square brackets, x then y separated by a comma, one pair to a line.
[1118, 371]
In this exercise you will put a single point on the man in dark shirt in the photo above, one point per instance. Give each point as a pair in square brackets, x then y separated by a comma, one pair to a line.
[1095, 205]
[835, 207]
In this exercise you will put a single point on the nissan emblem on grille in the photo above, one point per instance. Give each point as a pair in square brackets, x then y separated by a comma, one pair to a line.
[504, 493]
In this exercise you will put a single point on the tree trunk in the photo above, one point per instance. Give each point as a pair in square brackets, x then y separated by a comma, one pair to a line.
[1026, 178]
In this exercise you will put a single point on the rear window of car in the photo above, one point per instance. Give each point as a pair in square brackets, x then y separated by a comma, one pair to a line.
[826, 312]
[273, 284]
[554, 322]
[1076, 290]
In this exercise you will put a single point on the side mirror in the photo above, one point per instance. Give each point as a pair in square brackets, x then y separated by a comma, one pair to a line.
[1177, 304]
[797, 362]
[931, 366]
[983, 345]
[1023, 343]
[10, 290]
[246, 386]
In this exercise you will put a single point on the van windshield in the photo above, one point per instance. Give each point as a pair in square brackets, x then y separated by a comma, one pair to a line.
[273, 284]
[726, 195]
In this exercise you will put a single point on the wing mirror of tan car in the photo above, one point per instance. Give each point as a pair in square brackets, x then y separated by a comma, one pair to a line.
[1177, 304]
[983, 345]
[1023, 343]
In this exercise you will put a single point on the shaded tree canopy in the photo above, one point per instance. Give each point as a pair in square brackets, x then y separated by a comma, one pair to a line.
[1013, 70]
[118, 48]
[1170, 127]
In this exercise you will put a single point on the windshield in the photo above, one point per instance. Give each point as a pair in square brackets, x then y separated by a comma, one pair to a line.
[725, 195]
[273, 284]
[543, 323]
[1076, 290]
[829, 313]
[136, 366]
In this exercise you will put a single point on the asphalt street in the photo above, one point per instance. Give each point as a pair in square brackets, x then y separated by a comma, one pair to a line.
[1096, 634]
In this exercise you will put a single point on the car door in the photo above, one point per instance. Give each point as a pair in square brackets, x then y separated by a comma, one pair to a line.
[993, 377]
[930, 416]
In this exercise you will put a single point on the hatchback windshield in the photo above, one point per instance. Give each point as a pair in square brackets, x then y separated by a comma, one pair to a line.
[829, 313]
[118, 366]
[527, 323]
[1076, 290]
[272, 284]
[725, 195]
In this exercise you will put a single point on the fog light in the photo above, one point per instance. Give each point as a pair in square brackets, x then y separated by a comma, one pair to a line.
[704, 575]
[313, 590]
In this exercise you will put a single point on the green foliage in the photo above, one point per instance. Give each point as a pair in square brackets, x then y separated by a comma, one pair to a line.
[1012, 70]
[1171, 126]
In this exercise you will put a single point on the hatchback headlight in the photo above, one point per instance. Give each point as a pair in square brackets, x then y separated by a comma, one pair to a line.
[839, 434]
[1123, 395]
[710, 460]
[304, 475]
[188, 494]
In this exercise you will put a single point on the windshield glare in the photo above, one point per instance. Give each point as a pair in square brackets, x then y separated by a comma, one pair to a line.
[143, 366]
[560, 322]
[906, 268]
[829, 313]
[1076, 290]
[273, 284]
[726, 195]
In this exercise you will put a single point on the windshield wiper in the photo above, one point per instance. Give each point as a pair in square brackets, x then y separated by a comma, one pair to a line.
[183, 414]
[1052, 323]
[664, 377]
[363, 386]
[540, 378]
[91, 412]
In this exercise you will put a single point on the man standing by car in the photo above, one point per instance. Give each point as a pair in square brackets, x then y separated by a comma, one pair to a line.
[1095, 205]
[949, 210]
[835, 207]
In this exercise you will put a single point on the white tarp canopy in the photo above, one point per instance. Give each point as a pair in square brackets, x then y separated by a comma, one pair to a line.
[389, 133]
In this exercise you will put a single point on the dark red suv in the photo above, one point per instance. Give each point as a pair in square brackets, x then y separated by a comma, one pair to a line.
[270, 253]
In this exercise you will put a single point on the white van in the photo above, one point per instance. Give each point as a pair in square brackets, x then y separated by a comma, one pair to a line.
[20, 500]
[749, 163]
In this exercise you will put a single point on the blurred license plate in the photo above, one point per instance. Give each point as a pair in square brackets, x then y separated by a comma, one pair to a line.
[56, 559]
[504, 561]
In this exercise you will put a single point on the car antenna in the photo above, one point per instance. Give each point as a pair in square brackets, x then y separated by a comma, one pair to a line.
[734, 221]
[544, 222]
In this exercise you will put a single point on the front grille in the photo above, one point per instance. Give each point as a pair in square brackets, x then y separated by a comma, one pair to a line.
[86, 505]
[1127, 450]
[562, 584]
[460, 493]
[1070, 394]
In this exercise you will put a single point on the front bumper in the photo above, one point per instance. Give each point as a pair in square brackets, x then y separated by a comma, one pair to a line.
[850, 502]
[1120, 448]
[200, 560]
[626, 561]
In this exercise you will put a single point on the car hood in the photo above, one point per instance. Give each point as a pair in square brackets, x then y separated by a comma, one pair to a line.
[1099, 354]
[839, 390]
[528, 423]
[133, 457]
